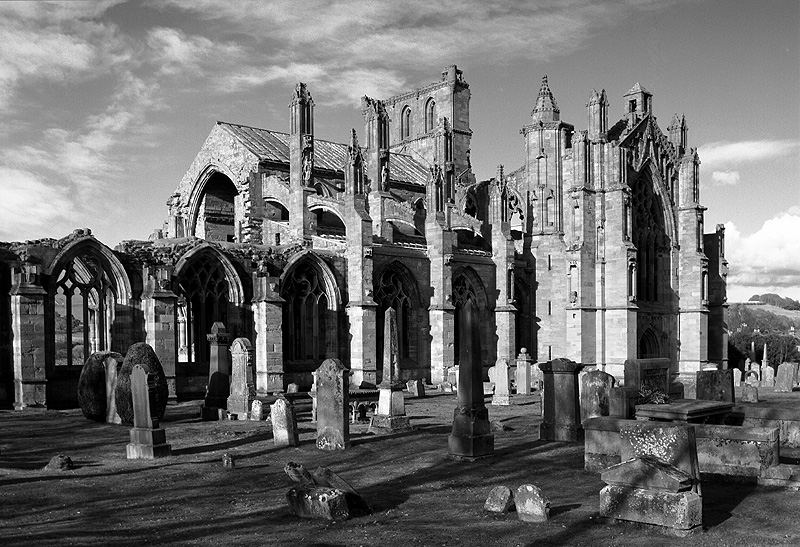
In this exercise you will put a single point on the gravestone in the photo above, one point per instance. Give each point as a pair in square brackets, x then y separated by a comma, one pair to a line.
[333, 424]
[416, 388]
[219, 373]
[756, 368]
[313, 394]
[471, 436]
[96, 386]
[658, 481]
[492, 373]
[257, 411]
[768, 376]
[595, 397]
[715, 385]
[148, 441]
[748, 363]
[243, 389]
[648, 374]
[786, 378]
[751, 378]
[391, 414]
[502, 386]
[749, 394]
[500, 500]
[532, 505]
[523, 372]
[452, 375]
[111, 366]
[737, 377]
[284, 423]
[292, 388]
[561, 415]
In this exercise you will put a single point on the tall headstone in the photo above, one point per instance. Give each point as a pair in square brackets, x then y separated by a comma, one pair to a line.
[749, 394]
[523, 372]
[284, 423]
[764, 361]
[715, 385]
[561, 415]
[111, 367]
[747, 364]
[768, 376]
[219, 372]
[391, 414]
[416, 387]
[471, 436]
[786, 378]
[148, 440]
[502, 386]
[756, 368]
[737, 377]
[595, 396]
[243, 386]
[333, 424]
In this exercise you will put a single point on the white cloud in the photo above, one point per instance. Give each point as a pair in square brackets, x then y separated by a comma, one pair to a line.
[722, 155]
[726, 178]
[32, 207]
[770, 257]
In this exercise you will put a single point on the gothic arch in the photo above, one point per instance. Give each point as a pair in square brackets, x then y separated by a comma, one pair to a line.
[327, 277]
[89, 245]
[430, 115]
[405, 123]
[649, 347]
[235, 286]
[396, 287]
[199, 190]
[467, 284]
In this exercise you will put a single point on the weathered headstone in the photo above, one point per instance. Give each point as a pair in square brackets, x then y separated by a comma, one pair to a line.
[219, 372]
[323, 494]
[596, 394]
[333, 424]
[391, 414]
[523, 372]
[500, 500]
[786, 378]
[648, 374]
[111, 365]
[749, 394]
[452, 375]
[243, 389]
[737, 377]
[257, 411]
[532, 505]
[284, 423]
[756, 368]
[751, 378]
[561, 416]
[471, 436]
[748, 363]
[416, 387]
[292, 388]
[768, 376]
[59, 462]
[148, 440]
[502, 386]
[715, 385]
[313, 394]
[96, 387]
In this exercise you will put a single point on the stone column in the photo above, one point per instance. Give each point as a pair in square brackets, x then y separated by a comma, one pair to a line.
[159, 305]
[268, 318]
[561, 416]
[391, 414]
[243, 388]
[28, 327]
[471, 437]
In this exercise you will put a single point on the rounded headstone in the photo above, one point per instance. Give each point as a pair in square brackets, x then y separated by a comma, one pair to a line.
[92, 385]
[139, 354]
[532, 504]
[500, 500]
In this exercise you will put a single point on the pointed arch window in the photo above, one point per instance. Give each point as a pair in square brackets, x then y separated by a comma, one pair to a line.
[392, 292]
[405, 123]
[305, 324]
[430, 116]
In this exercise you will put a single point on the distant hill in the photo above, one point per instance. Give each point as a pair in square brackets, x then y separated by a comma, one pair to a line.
[776, 300]
[767, 318]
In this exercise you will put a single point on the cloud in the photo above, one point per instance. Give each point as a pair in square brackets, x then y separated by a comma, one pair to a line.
[722, 155]
[726, 178]
[770, 257]
[32, 207]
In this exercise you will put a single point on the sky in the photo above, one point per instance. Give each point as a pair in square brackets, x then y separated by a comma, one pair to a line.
[103, 105]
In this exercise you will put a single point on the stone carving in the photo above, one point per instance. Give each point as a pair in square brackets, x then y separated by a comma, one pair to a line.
[308, 160]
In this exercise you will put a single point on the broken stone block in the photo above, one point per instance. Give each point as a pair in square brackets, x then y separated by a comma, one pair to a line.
[749, 394]
[648, 473]
[532, 505]
[59, 462]
[299, 474]
[500, 500]
[358, 506]
[677, 510]
[318, 502]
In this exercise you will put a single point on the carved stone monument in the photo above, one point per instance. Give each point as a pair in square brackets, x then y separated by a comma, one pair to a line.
[148, 440]
[219, 372]
[243, 388]
[391, 414]
[561, 415]
[333, 424]
[284, 423]
[595, 395]
[502, 386]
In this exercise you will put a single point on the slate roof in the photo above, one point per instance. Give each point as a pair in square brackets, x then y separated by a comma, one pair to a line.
[273, 146]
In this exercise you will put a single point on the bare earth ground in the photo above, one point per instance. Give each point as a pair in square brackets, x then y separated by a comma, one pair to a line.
[419, 495]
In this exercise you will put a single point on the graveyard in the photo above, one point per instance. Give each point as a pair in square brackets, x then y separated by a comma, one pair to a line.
[421, 460]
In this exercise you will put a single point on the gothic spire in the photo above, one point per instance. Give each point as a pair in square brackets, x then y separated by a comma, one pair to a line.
[546, 109]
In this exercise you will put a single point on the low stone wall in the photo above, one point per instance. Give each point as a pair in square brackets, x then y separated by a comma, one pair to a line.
[739, 451]
[786, 420]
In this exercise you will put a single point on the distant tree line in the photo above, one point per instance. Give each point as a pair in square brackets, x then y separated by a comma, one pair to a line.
[776, 300]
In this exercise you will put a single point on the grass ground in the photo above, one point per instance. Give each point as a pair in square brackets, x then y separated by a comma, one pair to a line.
[419, 495]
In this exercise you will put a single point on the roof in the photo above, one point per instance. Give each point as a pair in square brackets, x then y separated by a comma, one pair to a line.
[637, 88]
[273, 146]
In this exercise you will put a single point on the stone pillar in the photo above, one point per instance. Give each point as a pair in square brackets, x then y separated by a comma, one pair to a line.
[523, 372]
[243, 388]
[159, 305]
[219, 367]
[28, 327]
[471, 437]
[333, 424]
[391, 414]
[363, 317]
[268, 319]
[561, 415]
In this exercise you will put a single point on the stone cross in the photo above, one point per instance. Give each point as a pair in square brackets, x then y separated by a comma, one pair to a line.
[471, 436]
[523, 372]
[284, 423]
[391, 414]
[333, 424]
[502, 388]
[243, 389]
